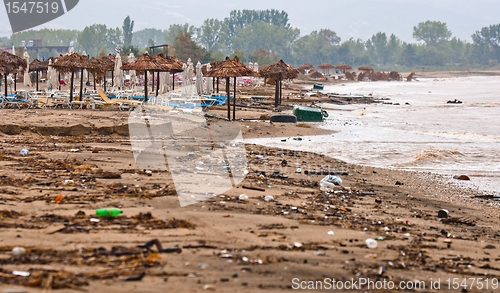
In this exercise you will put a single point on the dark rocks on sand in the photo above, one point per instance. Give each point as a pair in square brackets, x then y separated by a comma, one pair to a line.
[442, 214]
[461, 177]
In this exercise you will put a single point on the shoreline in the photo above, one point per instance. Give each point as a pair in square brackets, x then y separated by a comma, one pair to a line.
[286, 228]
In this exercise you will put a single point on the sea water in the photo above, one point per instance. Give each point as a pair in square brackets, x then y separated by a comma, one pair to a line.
[422, 133]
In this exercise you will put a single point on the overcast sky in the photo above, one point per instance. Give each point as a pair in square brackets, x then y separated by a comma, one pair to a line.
[348, 18]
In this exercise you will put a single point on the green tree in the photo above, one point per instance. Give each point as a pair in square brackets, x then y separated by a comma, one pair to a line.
[97, 38]
[394, 49]
[330, 36]
[409, 55]
[262, 56]
[487, 45]
[241, 18]
[175, 30]
[315, 49]
[141, 38]
[128, 29]
[273, 38]
[186, 48]
[212, 34]
[431, 32]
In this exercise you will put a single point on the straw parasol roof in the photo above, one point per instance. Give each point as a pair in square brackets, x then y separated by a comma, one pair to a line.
[228, 68]
[316, 74]
[72, 63]
[8, 60]
[145, 63]
[170, 64]
[279, 71]
[37, 65]
[326, 66]
[306, 65]
[365, 68]
[10, 63]
[343, 66]
[247, 71]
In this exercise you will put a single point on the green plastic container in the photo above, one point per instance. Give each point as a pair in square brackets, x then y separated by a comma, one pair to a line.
[318, 86]
[109, 212]
[308, 114]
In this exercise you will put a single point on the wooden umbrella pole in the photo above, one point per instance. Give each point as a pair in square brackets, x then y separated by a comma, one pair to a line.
[37, 80]
[145, 86]
[173, 82]
[59, 81]
[228, 101]
[5, 76]
[158, 83]
[71, 88]
[93, 75]
[276, 93]
[234, 100]
[217, 85]
[81, 85]
[112, 78]
[15, 82]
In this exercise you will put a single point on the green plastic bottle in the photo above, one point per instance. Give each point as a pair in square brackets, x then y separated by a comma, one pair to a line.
[110, 212]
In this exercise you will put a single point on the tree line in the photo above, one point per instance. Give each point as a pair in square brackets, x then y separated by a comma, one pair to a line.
[265, 36]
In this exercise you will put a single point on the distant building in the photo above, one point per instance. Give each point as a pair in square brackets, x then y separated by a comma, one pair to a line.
[34, 46]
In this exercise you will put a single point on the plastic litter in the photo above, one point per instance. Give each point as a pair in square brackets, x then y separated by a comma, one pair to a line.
[243, 197]
[109, 212]
[18, 251]
[269, 198]
[443, 214]
[24, 152]
[329, 182]
[371, 243]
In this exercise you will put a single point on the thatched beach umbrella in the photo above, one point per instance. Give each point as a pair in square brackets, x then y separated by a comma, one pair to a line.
[144, 63]
[279, 71]
[10, 64]
[37, 66]
[171, 65]
[73, 63]
[303, 68]
[228, 69]
[107, 64]
[316, 74]
[343, 67]
[365, 68]
[325, 67]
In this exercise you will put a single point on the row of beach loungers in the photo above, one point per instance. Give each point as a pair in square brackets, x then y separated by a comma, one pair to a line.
[98, 99]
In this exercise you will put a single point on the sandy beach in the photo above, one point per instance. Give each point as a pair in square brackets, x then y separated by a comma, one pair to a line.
[286, 234]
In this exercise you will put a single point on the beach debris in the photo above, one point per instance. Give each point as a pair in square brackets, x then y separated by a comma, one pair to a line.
[260, 157]
[299, 170]
[209, 287]
[371, 243]
[455, 101]
[243, 197]
[253, 188]
[21, 273]
[326, 172]
[297, 138]
[24, 152]
[18, 251]
[108, 212]
[138, 277]
[399, 183]
[59, 198]
[443, 214]
[329, 182]
[331, 233]
[461, 177]
[284, 163]
[269, 198]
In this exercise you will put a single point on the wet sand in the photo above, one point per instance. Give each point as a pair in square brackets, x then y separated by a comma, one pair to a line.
[81, 160]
